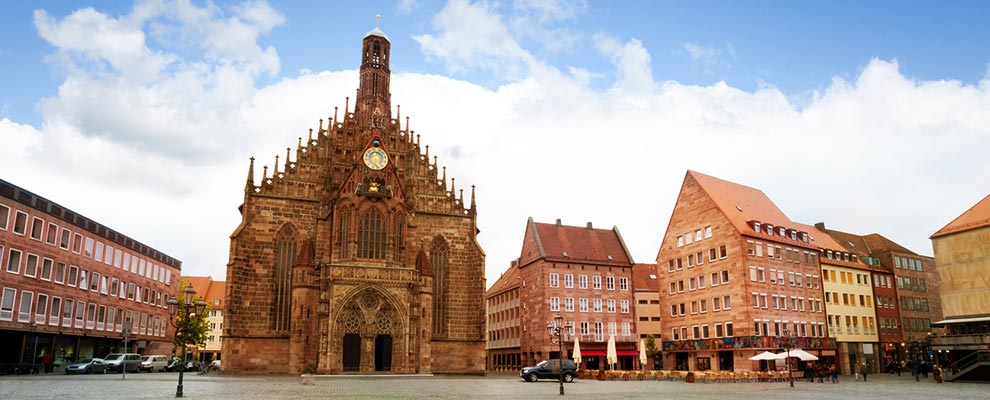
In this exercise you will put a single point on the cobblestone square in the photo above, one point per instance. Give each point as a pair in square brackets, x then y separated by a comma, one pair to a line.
[496, 386]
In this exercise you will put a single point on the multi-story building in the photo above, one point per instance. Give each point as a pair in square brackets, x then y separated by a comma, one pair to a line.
[503, 323]
[646, 290]
[888, 316]
[585, 275]
[72, 286]
[359, 254]
[849, 304]
[212, 293]
[962, 254]
[739, 278]
[917, 288]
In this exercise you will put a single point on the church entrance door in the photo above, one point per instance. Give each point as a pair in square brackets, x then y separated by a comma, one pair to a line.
[352, 352]
[383, 353]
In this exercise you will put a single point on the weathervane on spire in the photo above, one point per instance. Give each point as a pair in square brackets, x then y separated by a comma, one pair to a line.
[378, 20]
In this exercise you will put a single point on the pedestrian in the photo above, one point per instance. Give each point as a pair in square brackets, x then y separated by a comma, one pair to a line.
[937, 373]
[834, 372]
[863, 369]
[924, 369]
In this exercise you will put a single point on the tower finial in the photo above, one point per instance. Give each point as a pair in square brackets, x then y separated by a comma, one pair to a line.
[473, 205]
[286, 169]
[444, 176]
[250, 176]
[378, 20]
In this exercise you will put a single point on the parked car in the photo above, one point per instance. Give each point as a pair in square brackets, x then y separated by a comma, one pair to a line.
[174, 365]
[154, 363]
[117, 362]
[193, 365]
[86, 366]
[550, 369]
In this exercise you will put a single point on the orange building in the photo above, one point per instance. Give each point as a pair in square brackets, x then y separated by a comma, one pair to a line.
[212, 293]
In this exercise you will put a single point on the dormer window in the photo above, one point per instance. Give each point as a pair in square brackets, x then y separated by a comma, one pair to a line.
[793, 234]
[769, 229]
[804, 237]
[756, 226]
[781, 232]
[828, 254]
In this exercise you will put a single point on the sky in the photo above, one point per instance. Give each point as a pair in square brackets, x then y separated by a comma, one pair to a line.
[873, 117]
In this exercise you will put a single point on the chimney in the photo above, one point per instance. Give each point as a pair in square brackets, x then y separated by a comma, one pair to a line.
[589, 226]
[820, 225]
[558, 222]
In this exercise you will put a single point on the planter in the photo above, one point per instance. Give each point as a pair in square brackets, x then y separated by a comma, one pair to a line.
[689, 379]
[601, 377]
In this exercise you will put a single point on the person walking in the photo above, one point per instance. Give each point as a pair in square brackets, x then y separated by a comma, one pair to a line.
[937, 373]
[834, 372]
[864, 369]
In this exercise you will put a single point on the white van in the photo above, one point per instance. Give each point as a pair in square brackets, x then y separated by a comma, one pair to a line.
[154, 363]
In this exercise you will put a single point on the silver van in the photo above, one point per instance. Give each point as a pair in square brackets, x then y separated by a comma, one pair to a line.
[117, 362]
[154, 363]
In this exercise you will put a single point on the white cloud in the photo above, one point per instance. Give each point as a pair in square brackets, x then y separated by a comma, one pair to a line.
[698, 53]
[879, 153]
[407, 6]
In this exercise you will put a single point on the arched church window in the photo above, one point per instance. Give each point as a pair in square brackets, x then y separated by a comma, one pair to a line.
[438, 262]
[398, 237]
[285, 256]
[371, 235]
[343, 230]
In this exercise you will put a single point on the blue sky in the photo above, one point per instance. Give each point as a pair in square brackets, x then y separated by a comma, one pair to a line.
[870, 116]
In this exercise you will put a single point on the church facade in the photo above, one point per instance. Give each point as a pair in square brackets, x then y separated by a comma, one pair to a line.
[356, 254]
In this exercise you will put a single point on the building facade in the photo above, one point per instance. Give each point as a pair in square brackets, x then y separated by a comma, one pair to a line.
[502, 322]
[72, 287]
[962, 256]
[212, 293]
[646, 291]
[740, 278]
[358, 255]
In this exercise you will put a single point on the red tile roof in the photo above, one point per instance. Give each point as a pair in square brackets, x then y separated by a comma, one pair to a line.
[508, 280]
[581, 244]
[742, 204]
[207, 289]
[977, 216]
[645, 278]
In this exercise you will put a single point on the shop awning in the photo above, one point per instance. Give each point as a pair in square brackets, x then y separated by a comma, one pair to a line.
[961, 320]
[627, 353]
[592, 353]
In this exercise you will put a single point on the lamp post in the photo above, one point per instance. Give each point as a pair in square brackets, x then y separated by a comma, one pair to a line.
[787, 347]
[556, 330]
[127, 334]
[189, 310]
[34, 355]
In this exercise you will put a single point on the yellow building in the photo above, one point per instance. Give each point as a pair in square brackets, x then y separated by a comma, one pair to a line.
[962, 257]
[212, 292]
[852, 318]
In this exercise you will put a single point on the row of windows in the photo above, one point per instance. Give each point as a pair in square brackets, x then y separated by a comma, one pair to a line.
[759, 274]
[780, 231]
[910, 264]
[72, 276]
[53, 311]
[755, 249]
[695, 283]
[917, 324]
[701, 306]
[79, 244]
[583, 305]
[779, 302]
[797, 328]
[882, 281]
[695, 236]
[714, 254]
[852, 324]
[701, 331]
[888, 326]
[914, 303]
[584, 329]
[908, 283]
[829, 275]
[596, 281]
[848, 299]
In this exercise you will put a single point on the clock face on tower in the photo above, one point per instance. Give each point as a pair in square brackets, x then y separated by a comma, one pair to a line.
[375, 158]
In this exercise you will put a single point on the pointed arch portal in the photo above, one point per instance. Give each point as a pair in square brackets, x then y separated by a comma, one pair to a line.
[368, 332]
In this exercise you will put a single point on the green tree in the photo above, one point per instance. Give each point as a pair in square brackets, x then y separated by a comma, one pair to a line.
[651, 349]
[190, 328]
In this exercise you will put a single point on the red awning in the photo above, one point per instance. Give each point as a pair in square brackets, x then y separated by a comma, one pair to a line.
[592, 353]
[627, 353]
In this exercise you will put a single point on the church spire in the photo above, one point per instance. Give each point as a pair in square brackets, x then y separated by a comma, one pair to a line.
[250, 176]
[373, 89]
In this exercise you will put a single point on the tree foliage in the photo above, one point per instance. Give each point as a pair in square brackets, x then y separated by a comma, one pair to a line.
[190, 328]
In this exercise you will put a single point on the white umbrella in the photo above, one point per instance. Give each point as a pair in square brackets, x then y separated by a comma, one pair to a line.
[642, 354]
[610, 356]
[766, 355]
[801, 354]
[576, 354]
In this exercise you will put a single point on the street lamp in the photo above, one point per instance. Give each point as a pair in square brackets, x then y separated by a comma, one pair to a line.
[188, 310]
[555, 329]
[787, 346]
[34, 355]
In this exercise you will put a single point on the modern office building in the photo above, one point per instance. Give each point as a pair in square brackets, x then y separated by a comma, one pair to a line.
[72, 286]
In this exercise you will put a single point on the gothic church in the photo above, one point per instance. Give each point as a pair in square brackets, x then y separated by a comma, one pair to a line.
[357, 255]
